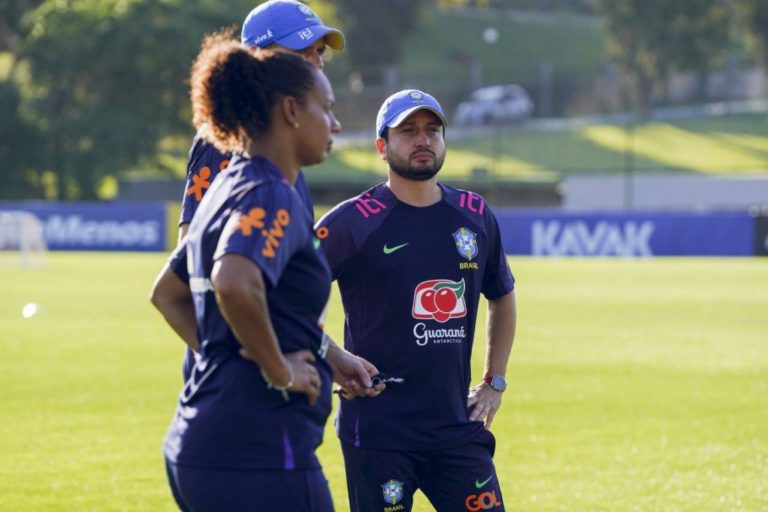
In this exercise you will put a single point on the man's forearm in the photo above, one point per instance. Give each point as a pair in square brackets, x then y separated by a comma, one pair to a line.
[335, 351]
[501, 325]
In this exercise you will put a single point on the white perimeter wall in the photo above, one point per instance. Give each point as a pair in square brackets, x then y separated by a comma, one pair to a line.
[665, 192]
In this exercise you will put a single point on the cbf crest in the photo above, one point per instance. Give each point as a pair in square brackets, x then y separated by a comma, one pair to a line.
[393, 491]
[306, 11]
[466, 243]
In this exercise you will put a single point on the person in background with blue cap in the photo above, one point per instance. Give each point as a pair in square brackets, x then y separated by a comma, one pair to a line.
[411, 257]
[276, 24]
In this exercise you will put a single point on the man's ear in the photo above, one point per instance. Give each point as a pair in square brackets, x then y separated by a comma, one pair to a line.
[289, 110]
[381, 146]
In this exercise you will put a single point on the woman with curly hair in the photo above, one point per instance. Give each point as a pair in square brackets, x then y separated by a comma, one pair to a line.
[247, 287]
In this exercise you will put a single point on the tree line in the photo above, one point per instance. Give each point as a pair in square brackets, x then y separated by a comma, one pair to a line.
[89, 88]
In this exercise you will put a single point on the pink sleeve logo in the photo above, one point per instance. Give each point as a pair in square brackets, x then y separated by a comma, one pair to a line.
[368, 206]
[472, 202]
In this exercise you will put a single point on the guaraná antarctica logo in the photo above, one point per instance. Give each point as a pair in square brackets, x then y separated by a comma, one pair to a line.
[440, 300]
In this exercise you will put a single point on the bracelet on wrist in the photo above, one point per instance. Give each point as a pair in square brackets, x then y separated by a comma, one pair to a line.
[282, 389]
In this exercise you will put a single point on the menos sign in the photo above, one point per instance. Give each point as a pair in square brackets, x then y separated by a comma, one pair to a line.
[108, 226]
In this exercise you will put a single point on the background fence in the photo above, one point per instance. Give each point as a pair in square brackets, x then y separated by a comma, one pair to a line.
[135, 226]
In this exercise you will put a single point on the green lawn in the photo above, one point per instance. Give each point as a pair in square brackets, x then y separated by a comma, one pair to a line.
[724, 145]
[634, 385]
[717, 146]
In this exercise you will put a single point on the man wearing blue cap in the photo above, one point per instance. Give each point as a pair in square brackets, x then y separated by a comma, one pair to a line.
[411, 257]
[284, 24]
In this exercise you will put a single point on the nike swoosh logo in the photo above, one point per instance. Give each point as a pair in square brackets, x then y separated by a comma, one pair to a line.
[480, 485]
[390, 250]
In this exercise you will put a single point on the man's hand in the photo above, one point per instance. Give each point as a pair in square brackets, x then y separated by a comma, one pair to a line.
[353, 374]
[486, 402]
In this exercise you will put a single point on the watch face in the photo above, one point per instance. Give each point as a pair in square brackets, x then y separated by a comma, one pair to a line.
[498, 383]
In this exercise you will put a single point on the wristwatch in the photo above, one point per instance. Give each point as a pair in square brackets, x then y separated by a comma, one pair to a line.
[497, 382]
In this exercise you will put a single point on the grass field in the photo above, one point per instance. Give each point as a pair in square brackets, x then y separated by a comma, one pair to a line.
[735, 144]
[725, 145]
[633, 385]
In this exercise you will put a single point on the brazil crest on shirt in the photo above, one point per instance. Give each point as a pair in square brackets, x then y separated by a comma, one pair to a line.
[466, 242]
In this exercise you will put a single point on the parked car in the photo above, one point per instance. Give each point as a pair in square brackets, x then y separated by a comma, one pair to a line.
[495, 104]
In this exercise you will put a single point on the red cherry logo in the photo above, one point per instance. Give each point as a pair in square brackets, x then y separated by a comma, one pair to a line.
[428, 301]
[441, 316]
[446, 300]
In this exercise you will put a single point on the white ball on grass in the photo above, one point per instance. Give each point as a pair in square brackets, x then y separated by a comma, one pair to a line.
[29, 310]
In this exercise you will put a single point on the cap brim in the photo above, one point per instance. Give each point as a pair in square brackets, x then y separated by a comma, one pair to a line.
[402, 116]
[333, 38]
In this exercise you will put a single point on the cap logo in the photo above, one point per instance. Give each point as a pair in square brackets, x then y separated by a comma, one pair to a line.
[263, 37]
[402, 104]
[306, 11]
[305, 34]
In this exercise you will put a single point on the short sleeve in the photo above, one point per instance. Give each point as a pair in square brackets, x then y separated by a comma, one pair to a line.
[498, 279]
[178, 262]
[344, 229]
[203, 164]
[336, 241]
[268, 226]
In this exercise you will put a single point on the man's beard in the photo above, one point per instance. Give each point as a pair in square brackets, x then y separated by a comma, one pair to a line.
[403, 168]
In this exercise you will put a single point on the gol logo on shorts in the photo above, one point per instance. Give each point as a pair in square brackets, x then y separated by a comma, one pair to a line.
[483, 501]
[273, 235]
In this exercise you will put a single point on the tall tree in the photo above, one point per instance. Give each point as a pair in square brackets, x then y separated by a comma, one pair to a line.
[19, 147]
[111, 80]
[19, 142]
[754, 13]
[12, 26]
[649, 38]
[375, 30]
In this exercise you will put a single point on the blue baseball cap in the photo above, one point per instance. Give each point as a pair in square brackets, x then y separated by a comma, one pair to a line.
[400, 105]
[288, 23]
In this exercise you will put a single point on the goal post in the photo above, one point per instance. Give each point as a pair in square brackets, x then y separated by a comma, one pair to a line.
[22, 232]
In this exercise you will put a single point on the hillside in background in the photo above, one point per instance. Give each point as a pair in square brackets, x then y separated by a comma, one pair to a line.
[716, 145]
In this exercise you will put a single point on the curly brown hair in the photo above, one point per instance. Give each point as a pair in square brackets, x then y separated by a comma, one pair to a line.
[234, 88]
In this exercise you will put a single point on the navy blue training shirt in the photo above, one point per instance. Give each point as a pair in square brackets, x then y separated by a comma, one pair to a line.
[227, 417]
[204, 163]
[410, 280]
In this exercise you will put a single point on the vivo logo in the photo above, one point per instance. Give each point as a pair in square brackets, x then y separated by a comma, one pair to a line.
[554, 238]
[262, 38]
